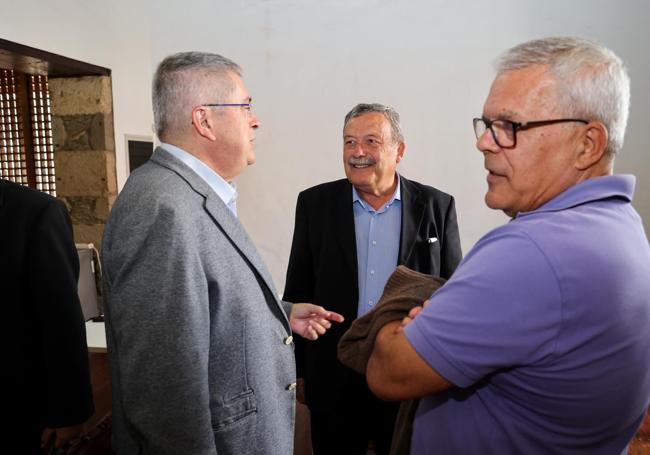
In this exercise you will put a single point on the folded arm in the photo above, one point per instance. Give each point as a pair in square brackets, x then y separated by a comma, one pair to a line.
[397, 372]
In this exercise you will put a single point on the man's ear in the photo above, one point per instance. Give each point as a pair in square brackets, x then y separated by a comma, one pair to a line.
[594, 143]
[203, 122]
[400, 151]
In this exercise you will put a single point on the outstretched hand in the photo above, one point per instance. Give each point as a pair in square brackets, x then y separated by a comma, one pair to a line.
[310, 321]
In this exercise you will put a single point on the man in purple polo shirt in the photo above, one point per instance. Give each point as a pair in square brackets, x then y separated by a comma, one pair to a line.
[539, 341]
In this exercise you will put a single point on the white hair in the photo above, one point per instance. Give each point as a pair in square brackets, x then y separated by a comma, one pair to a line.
[593, 82]
[391, 115]
[185, 80]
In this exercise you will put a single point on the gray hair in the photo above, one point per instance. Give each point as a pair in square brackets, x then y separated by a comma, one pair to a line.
[391, 115]
[185, 80]
[593, 83]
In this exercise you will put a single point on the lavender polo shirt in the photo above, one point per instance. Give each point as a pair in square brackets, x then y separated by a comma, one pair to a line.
[545, 329]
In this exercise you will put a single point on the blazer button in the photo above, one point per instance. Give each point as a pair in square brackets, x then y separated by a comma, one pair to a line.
[292, 386]
[288, 340]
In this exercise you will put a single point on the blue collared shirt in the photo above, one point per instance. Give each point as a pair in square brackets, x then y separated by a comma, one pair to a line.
[378, 235]
[226, 191]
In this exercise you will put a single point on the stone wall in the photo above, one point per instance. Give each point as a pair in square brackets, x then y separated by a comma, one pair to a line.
[84, 145]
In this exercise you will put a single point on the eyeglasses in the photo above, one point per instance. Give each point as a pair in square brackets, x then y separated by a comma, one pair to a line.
[246, 105]
[504, 132]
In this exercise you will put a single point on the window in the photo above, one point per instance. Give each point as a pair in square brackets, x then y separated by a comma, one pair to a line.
[26, 146]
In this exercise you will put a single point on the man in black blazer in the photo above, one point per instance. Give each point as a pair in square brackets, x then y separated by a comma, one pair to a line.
[48, 392]
[349, 235]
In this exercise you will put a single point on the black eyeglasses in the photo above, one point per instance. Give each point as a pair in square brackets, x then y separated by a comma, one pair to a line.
[504, 132]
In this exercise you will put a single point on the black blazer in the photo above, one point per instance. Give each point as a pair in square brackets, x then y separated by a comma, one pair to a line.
[44, 352]
[323, 267]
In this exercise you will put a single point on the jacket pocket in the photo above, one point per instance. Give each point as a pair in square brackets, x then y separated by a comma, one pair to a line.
[235, 425]
[233, 410]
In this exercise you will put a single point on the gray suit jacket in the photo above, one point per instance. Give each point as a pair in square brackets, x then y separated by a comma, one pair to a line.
[196, 335]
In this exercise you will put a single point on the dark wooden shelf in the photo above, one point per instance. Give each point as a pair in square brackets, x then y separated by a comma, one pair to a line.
[30, 60]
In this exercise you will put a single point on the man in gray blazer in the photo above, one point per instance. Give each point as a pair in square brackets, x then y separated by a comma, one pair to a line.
[200, 348]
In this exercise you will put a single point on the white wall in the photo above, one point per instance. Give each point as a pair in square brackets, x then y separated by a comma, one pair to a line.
[308, 62]
[115, 35]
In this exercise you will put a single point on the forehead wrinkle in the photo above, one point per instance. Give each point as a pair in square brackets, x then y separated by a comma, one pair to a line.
[507, 114]
[532, 91]
[369, 125]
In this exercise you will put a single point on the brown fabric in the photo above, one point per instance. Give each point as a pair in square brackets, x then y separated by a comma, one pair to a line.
[403, 430]
[404, 290]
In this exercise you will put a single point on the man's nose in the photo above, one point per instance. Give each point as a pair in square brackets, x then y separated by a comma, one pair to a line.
[486, 143]
[359, 150]
[255, 122]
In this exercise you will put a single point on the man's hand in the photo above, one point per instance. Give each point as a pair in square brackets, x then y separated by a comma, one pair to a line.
[310, 321]
[61, 435]
[412, 314]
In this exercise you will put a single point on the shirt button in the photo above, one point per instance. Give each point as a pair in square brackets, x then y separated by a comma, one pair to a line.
[288, 340]
[374, 242]
[370, 302]
[292, 386]
[372, 272]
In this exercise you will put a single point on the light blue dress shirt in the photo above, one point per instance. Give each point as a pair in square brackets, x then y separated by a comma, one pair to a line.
[378, 237]
[226, 191]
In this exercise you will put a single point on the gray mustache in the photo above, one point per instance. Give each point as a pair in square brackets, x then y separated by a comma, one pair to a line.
[361, 161]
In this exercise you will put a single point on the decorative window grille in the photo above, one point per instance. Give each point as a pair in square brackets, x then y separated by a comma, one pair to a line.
[43, 147]
[26, 146]
[13, 162]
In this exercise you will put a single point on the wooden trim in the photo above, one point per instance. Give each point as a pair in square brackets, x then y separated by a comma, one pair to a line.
[35, 61]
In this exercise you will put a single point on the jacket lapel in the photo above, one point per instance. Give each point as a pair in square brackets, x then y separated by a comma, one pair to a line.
[223, 217]
[343, 220]
[412, 214]
[232, 228]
